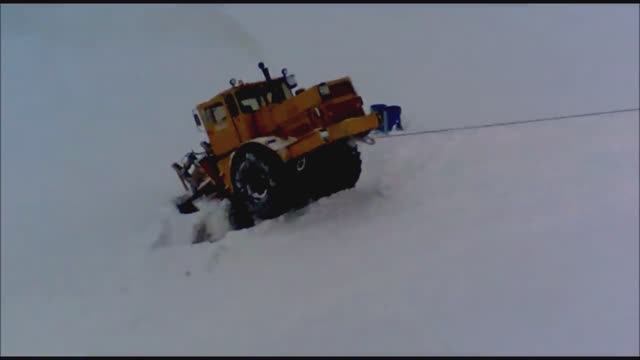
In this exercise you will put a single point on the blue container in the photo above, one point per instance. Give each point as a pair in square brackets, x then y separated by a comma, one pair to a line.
[392, 117]
[379, 108]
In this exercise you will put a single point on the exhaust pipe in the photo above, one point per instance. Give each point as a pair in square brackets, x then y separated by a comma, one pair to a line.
[275, 95]
[265, 71]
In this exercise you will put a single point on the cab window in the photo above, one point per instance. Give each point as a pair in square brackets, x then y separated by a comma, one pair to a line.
[250, 99]
[282, 91]
[216, 113]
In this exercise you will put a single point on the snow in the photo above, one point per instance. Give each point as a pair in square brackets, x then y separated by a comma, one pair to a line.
[519, 240]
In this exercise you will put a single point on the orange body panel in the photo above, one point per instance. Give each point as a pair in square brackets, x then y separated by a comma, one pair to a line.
[311, 141]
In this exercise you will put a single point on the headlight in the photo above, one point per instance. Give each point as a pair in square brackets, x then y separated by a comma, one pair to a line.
[291, 81]
[323, 89]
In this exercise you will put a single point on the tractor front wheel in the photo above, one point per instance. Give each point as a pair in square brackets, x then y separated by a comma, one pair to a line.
[260, 180]
[239, 216]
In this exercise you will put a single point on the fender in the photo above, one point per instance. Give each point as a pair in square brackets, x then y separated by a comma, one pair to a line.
[275, 143]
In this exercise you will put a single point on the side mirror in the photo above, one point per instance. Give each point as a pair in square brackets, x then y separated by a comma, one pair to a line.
[196, 118]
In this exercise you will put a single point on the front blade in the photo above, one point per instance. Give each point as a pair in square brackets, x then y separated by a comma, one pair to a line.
[186, 206]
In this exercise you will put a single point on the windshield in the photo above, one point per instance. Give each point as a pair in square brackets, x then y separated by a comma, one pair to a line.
[251, 99]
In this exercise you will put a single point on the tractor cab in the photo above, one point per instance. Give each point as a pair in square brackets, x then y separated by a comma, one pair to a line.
[235, 115]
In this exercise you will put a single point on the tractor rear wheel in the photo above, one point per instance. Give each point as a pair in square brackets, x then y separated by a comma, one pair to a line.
[349, 165]
[332, 169]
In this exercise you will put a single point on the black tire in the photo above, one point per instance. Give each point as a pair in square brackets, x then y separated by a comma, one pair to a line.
[331, 169]
[301, 170]
[239, 216]
[260, 180]
[349, 165]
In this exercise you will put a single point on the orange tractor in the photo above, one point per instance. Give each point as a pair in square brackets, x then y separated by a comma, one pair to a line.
[271, 150]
